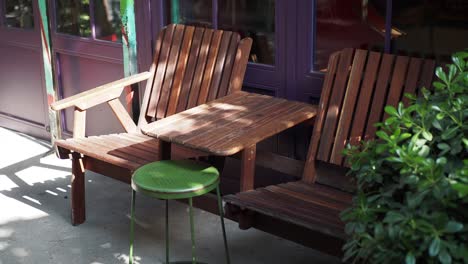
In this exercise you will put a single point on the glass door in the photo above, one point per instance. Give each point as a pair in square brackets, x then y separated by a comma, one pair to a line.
[260, 20]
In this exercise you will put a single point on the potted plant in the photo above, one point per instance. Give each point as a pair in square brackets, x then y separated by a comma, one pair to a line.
[411, 204]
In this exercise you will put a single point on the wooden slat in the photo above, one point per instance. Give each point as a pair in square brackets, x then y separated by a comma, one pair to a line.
[308, 174]
[79, 123]
[362, 108]
[219, 65]
[190, 70]
[347, 110]
[229, 64]
[378, 101]
[202, 116]
[307, 197]
[236, 128]
[122, 115]
[224, 127]
[169, 76]
[160, 71]
[427, 74]
[181, 70]
[149, 84]
[286, 208]
[118, 149]
[412, 78]
[80, 146]
[334, 107]
[398, 79]
[201, 63]
[212, 123]
[210, 66]
[240, 65]
[264, 128]
[139, 144]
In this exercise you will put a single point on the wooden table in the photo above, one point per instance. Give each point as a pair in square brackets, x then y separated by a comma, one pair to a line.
[232, 124]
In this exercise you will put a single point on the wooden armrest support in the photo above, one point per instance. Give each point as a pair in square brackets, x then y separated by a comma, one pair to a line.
[124, 118]
[100, 94]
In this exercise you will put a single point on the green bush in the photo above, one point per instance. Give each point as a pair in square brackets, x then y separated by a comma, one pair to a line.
[411, 204]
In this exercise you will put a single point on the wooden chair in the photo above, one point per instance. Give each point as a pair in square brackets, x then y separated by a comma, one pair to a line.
[191, 66]
[356, 88]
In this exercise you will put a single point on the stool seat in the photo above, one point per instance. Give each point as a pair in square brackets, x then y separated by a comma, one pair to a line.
[175, 179]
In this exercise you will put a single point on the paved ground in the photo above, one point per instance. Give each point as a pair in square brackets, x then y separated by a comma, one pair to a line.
[35, 225]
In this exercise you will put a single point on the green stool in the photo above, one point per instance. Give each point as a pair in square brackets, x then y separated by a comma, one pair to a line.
[176, 180]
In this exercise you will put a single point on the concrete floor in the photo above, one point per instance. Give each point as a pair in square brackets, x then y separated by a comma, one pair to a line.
[35, 219]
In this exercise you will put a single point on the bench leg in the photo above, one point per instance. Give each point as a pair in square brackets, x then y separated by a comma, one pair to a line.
[78, 210]
[248, 168]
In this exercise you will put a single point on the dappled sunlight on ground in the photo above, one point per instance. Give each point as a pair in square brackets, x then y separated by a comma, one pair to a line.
[36, 174]
[18, 148]
[15, 210]
[35, 220]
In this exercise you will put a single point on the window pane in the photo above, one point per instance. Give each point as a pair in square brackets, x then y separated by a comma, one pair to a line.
[347, 24]
[73, 17]
[255, 19]
[19, 13]
[196, 12]
[437, 28]
[107, 20]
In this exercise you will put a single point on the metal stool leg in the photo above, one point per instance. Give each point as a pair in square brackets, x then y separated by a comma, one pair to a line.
[132, 220]
[192, 230]
[167, 231]
[221, 215]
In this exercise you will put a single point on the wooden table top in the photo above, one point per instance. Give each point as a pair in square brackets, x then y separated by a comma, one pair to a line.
[228, 125]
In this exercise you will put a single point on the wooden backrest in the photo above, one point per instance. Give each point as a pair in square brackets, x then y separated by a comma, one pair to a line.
[357, 87]
[191, 66]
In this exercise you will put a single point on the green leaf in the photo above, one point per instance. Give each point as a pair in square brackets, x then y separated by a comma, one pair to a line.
[461, 188]
[441, 74]
[424, 151]
[381, 134]
[391, 110]
[434, 248]
[393, 217]
[444, 257]
[453, 227]
[452, 71]
[439, 85]
[441, 161]
[410, 259]
[450, 133]
[427, 135]
[443, 146]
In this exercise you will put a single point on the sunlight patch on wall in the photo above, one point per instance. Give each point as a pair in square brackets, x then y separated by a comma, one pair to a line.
[15, 210]
[20, 147]
[35, 174]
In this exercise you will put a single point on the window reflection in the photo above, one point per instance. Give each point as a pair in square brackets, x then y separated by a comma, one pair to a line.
[73, 17]
[255, 19]
[348, 23]
[19, 13]
[107, 20]
[196, 12]
[437, 28]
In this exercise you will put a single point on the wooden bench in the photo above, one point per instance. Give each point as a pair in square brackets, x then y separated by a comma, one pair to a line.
[190, 67]
[356, 88]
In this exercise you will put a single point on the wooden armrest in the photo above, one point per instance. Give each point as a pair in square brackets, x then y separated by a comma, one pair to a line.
[100, 94]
